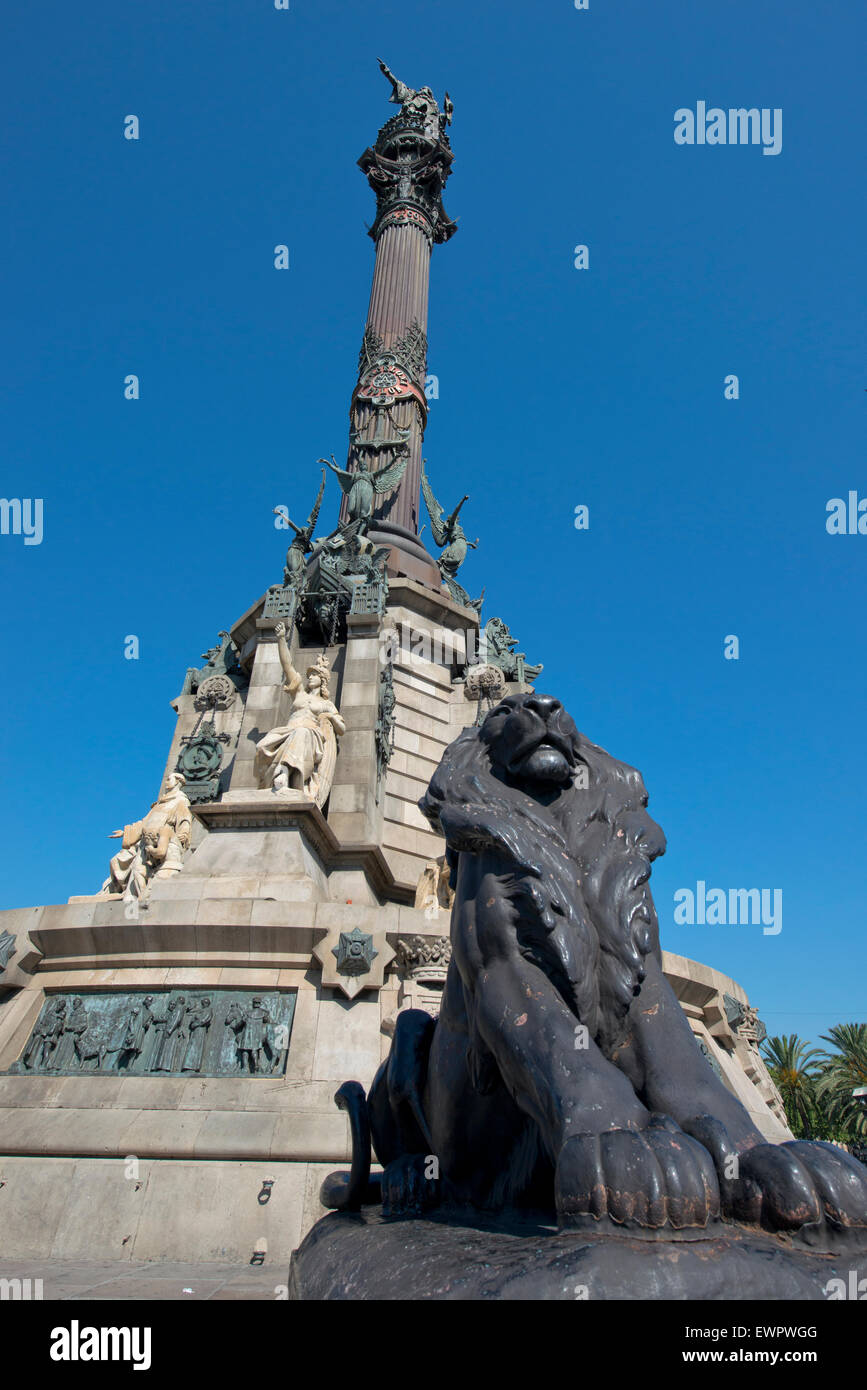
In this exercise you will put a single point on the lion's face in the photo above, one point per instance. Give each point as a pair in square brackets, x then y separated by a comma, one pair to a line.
[532, 739]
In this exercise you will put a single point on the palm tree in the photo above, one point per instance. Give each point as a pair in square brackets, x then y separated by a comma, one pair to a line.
[794, 1068]
[841, 1072]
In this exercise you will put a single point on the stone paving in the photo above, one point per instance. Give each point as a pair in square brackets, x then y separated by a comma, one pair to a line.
[71, 1281]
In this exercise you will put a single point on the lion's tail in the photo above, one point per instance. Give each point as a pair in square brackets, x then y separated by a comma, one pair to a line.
[348, 1191]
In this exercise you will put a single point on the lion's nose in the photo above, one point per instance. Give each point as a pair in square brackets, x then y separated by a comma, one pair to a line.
[544, 705]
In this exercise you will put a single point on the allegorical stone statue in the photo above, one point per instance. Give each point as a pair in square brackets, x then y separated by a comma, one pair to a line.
[562, 1073]
[450, 535]
[364, 485]
[297, 759]
[153, 847]
[295, 569]
[434, 890]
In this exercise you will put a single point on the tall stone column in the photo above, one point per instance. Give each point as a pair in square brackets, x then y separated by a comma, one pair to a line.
[407, 169]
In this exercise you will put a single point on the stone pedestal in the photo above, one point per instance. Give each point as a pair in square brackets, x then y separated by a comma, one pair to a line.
[364, 1257]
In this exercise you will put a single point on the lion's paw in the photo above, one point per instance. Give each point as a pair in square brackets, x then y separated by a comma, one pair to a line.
[407, 1190]
[641, 1179]
[806, 1188]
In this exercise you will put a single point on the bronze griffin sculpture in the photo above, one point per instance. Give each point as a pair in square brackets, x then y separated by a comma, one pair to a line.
[561, 1074]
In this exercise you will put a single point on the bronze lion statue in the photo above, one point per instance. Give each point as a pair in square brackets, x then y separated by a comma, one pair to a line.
[561, 1074]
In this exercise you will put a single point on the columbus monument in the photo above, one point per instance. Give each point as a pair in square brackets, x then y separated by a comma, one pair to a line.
[364, 772]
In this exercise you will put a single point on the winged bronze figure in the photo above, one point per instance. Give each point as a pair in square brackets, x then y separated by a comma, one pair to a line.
[450, 536]
[302, 542]
[364, 485]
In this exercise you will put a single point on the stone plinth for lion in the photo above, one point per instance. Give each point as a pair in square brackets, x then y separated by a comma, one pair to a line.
[561, 1083]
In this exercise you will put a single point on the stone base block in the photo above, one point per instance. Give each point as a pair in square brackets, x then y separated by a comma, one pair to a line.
[363, 1256]
[138, 1209]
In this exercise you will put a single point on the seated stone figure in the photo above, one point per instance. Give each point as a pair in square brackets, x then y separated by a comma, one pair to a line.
[153, 847]
[562, 1074]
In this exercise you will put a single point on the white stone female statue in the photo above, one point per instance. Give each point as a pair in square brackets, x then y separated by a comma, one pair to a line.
[297, 760]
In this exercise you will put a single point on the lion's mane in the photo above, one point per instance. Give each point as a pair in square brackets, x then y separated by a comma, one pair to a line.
[576, 870]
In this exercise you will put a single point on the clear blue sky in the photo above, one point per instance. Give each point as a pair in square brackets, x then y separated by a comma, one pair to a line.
[557, 387]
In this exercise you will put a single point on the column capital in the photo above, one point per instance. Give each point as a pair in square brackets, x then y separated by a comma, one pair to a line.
[408, 165]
